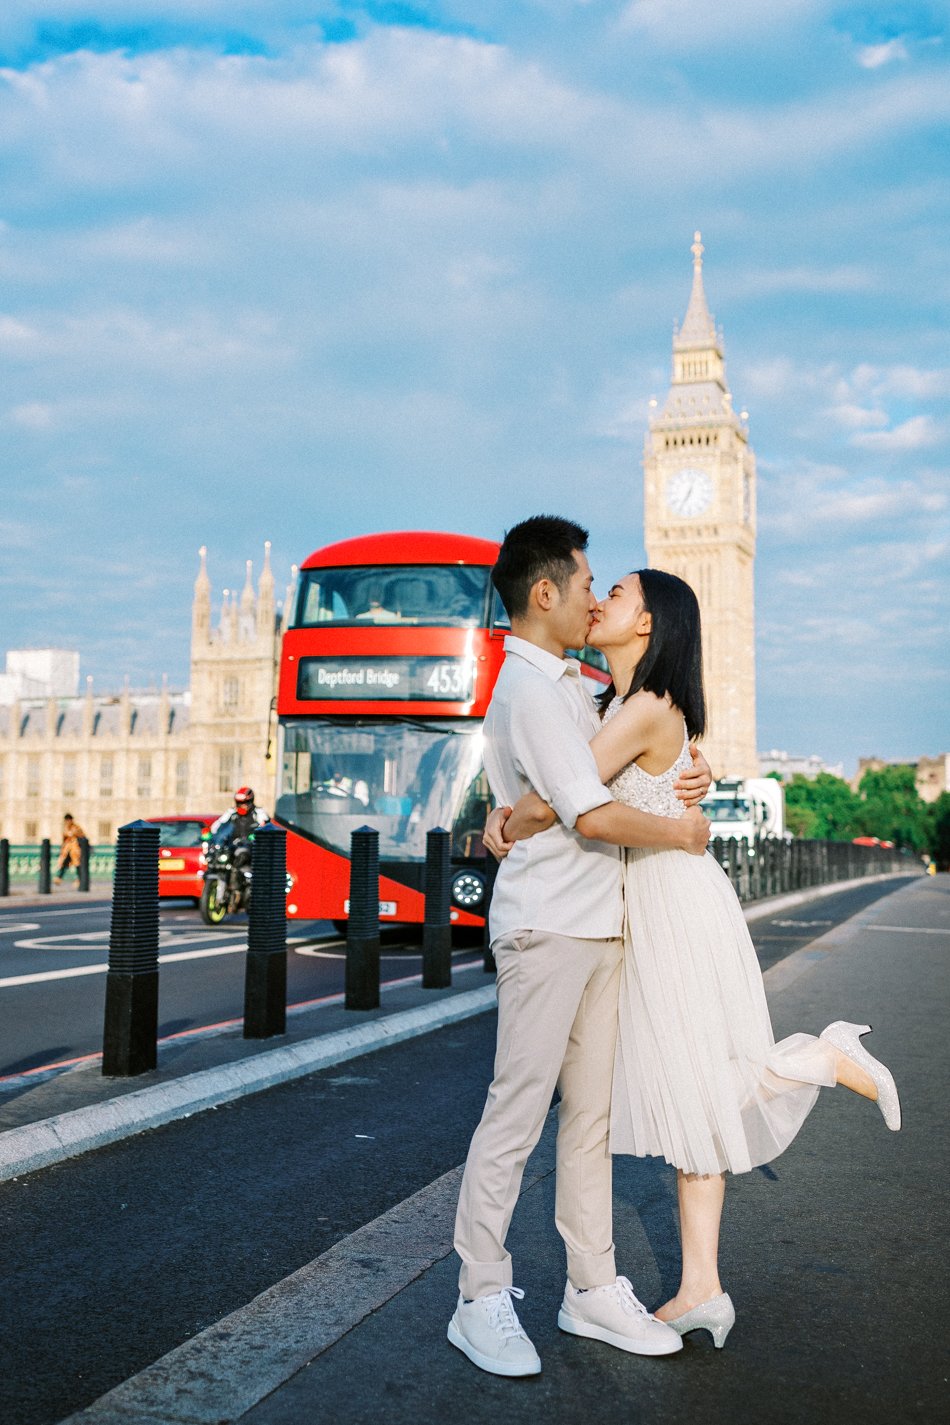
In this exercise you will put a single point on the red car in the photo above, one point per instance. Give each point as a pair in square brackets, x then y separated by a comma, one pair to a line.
[181, 857]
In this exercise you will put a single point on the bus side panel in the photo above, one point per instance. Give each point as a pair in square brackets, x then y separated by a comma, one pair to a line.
[320, 885]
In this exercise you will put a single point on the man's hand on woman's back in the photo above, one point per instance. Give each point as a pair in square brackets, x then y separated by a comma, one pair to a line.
[695, 829]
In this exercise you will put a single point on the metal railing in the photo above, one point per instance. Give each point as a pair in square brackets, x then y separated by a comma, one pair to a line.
[25, 862]
[770, 866]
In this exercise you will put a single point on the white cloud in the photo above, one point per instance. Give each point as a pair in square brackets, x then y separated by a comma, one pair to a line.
[34, 415]
[686, 23]
[873, 56]
[917, 433]
[853, 417]
[901, 380]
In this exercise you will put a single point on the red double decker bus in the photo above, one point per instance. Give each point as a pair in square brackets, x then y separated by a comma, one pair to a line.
[387, 668]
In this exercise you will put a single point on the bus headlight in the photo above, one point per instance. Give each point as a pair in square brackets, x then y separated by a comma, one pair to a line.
[468, 889]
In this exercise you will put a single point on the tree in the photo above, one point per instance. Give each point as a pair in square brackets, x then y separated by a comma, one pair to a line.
[893, 808]
[939, 831]
[823, 807]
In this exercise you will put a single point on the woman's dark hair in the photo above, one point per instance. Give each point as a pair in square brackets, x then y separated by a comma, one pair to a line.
[673, 662]
[539, 548]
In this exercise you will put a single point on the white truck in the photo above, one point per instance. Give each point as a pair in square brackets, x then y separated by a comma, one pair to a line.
[745, 808]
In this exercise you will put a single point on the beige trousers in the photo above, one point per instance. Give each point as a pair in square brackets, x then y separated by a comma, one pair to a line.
[557, 1025]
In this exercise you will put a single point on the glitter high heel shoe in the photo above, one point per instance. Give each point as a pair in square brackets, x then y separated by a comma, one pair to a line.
[847, 1038]
[717, 1316]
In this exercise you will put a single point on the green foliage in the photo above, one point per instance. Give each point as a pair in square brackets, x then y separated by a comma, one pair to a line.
[893, 809]
[887, 805]
[823, 807]
[939, 839]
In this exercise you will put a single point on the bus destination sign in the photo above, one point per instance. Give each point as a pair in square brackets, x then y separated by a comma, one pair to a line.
[392, 680]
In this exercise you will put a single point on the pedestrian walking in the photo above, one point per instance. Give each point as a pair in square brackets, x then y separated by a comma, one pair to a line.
[70, 854]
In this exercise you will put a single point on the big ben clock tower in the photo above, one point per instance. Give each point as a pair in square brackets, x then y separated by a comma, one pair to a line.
[699, 522]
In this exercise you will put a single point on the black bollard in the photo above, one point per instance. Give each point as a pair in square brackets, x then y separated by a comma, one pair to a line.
[491, 871]
[83, 864]
[45, 881]
[265, 971]
[362, 928]
[4, 867]
[437, 926]
[131, 1018]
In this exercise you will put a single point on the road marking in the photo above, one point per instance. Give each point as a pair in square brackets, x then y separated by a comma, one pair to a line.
[104, 907]
[18, 929]
[234, 947]
[75, 971]
[61, 942]
[909, 929]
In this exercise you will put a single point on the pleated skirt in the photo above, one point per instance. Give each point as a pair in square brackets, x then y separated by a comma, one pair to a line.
[698, 1077]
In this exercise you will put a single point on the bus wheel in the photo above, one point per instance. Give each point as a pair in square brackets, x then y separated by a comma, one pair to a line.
[340, 927]
[212, 910]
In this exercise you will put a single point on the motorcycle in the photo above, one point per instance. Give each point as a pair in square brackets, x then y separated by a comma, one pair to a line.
[227, 879]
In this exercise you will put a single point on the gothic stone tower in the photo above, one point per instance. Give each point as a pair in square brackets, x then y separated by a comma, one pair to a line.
[233, 680]
[699, 523]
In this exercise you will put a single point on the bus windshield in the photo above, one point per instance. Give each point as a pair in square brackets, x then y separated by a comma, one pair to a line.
[402, 777]
[450, 595]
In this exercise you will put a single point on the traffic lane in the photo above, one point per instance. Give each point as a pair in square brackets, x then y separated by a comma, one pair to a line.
[128, 1251]
[58, 1020]
[778, 935]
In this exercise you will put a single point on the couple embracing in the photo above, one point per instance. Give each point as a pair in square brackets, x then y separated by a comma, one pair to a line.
[626, 976]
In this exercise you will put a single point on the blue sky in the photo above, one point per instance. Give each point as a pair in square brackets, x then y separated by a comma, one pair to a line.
[294, 271]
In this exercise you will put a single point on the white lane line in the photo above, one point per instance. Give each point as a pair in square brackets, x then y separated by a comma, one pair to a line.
[75, 971]
[103, 907]
[233, 947]
[909, 929]
[19, 928]
[59, 942]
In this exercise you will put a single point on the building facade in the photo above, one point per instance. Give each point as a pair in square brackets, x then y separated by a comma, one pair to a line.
[699, 522]
[787, 765]
[931, 774]
[112, 759]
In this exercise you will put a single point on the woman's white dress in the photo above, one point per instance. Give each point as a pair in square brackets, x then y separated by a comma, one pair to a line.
[698, 1078]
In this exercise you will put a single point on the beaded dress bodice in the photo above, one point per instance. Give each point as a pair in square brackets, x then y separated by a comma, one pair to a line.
[636, 788]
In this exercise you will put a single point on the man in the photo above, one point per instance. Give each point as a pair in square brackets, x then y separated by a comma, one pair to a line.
[70, 851]
[557, 936]
[242, 821]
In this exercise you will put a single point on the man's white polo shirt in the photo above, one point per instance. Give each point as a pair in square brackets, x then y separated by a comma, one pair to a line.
[537, 733]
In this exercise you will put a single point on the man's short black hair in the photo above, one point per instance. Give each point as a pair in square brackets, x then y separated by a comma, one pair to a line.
[539, 548]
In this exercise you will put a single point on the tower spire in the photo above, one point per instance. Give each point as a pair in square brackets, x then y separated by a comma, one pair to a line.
[265, 596]
[698, 329]
[201, 603]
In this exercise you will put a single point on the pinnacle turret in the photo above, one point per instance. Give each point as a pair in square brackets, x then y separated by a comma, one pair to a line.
[698, 329]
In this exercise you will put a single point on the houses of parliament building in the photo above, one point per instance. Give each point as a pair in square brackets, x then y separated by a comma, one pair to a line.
[111, 759]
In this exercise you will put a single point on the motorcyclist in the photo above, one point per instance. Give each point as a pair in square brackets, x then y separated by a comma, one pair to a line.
[242, 821]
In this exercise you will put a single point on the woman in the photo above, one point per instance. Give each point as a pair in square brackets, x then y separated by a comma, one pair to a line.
[698, 1077]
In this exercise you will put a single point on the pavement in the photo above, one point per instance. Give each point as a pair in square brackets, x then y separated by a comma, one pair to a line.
[829, 1253]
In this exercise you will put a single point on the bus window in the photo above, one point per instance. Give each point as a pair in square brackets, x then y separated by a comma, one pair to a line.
[451, 595]
[402, 777]
[500, 622]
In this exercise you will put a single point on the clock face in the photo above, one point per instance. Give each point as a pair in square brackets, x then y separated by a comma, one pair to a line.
[689, 492]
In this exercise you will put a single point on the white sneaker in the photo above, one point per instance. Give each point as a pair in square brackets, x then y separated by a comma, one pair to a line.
[490, 1334]
[613, 1314]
